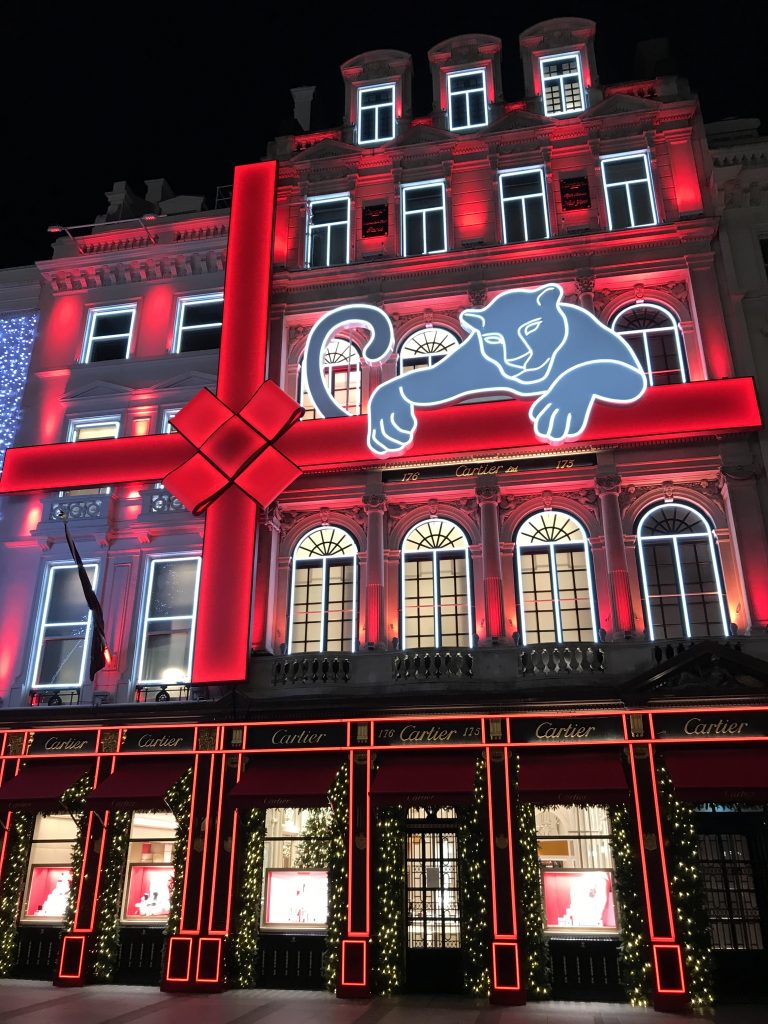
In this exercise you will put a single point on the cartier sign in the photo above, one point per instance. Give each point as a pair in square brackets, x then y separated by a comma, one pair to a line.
[430, 732]
[579, 729]
[711, 725]
[158, 741]
[63, 742]
[298, 735]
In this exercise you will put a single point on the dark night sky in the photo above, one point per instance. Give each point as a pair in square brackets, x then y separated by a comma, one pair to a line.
[158, 92]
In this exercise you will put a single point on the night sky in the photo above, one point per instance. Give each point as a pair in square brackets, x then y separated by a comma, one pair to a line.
[157, 91]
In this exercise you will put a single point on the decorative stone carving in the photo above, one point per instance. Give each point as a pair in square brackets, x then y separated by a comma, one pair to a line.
[374, 502]
[585, 283]
[488, 494]
[477, 295]
[609, 484]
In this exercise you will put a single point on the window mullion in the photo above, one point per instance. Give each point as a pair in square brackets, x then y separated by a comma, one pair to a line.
[323, 605]
[436, 598]
[681, 587]
[555, 592]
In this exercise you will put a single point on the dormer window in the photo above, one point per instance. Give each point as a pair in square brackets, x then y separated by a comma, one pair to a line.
[562, 84]
[467, 100]
[376, 114]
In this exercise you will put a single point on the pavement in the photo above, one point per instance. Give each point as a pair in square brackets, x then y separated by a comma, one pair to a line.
[37, 1002]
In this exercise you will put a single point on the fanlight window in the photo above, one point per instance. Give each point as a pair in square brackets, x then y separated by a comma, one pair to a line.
[437, 608]
[425, 348]
[654, 336]
[341, 372]
[680, 572]
[554, 578]
[323, 592]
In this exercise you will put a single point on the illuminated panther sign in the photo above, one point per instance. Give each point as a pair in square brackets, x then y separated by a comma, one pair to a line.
[525, 342]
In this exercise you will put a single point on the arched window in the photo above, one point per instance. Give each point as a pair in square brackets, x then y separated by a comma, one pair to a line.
[323, 612]
[654, 336]
[554, 580]
[341, 372]
[437, 609]
[680, 572]
[425, 347]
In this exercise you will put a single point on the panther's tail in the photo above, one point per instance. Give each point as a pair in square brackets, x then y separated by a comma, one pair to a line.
[377, 348]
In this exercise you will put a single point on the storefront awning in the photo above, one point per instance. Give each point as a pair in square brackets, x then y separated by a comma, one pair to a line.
[39, 785]
[138, 783]
[585, 777]
[302, 780]
[737, 773]
[425, 779]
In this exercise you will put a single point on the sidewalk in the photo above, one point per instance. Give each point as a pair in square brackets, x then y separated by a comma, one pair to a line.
[36, 1002]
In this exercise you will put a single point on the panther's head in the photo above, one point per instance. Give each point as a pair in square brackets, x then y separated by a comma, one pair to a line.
[521, 330]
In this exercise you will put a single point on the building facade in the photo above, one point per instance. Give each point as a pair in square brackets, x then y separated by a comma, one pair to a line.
[357, 586]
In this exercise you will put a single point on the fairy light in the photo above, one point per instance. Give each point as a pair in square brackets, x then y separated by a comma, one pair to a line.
[390, 880]
[74, 800]
[634, 951]
[17, 334]
[338, 799]
[12, 888]
[475, 880]
[247, 930]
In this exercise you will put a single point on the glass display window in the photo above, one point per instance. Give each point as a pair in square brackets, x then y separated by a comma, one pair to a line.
[49, 871]
[149, 868]
[295, 893]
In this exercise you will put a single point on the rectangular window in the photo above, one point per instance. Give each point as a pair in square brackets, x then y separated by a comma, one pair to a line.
[424, 224]
[198, 323]
[628, 191]
[108, 333]
[376, 114]
[730, 891]
[561, 84]
[467, 100]
[65, 625]
[49, 871]
[91, 430]
[169, 620]
[328, 231]
[295, 892]
[524, 205]
[149, 868]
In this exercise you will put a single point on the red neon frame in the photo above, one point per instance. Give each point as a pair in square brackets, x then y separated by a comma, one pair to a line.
[198, 976]
[68, 940]
[491, 833]
[354, 942]
[668, 949]
[178, 939]
[495, 946]
[351, 841]
[670, 916]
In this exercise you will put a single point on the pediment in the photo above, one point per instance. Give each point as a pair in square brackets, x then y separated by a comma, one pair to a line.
[422, 134]
[187, 382]
[623, 103]
[516, 120]
[99, 390]
[703, 670]
[326, 149]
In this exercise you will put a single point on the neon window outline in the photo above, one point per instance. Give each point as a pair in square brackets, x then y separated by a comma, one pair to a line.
[405, 191]
[644, 337]
[459, 95]
[42, 624]
[438, 536]
[79, 423]
[434, 343]
[186, 302]
[549, 546]
[313, 202]
[146, 618]
[680, 593]
[324, 547]
[522, 202]
[95, 313]
[377, 137]
[560, 78]
[647, 181]
[342, 365]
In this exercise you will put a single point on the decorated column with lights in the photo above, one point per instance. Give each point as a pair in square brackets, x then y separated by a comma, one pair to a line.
[739, 487]
[354, 977]
[375, 507]
[608, 488]
[488, 500]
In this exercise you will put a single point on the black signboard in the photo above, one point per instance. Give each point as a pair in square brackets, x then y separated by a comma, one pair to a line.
[574, 193]
[375, 221]
[80, 742]
[578, 729]
[427, 732]
[158, 741]
[711, 725]
[501, 467]
[300, 735]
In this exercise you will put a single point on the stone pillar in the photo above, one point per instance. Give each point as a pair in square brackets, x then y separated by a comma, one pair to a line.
[264, 582]
[745, 519]
[488, 501]
[375, 634]
[608, 488]
[709, 316]
[354, 956]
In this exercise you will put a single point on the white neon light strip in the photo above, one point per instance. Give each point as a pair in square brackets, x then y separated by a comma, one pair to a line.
[43, 625]
[326, 228]
[192, 616]
[94, 314]
[182, 305]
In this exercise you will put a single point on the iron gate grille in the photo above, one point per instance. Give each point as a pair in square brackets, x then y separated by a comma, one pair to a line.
[432, 890]
[729, 886]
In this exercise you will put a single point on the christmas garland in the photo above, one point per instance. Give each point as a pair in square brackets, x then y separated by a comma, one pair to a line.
[687, 893]
[388, 970]
[19, 842]
[338, 799]
[536, 958]
[634, 951]
[107, 933]
[73, 800]
[179, 800]
[475, 882]
[245, 938]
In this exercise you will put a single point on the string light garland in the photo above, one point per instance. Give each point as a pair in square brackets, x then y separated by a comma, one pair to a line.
[389, 834]
[338, 799]
[179, 800]
[475, 882]
[686, 886]
[536, 958]
[20, 841]
[106, 948]
[73, 799]
[634, 951]
[244, 942]
[17, 335]
[315, 841]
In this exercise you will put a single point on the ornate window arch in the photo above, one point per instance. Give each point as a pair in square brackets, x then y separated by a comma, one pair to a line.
[436, 587]
[425, 347]
[680, 573]
[653, 332]
[341, 372]
[554, 580]
[323, 609]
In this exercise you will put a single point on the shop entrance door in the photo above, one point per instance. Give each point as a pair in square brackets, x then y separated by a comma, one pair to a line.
[433, 960]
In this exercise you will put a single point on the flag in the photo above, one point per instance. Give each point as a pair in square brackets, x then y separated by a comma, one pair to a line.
[100, 655]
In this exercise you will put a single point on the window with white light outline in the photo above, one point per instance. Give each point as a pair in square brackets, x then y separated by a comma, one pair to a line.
[376, 114]
[323, 611]
[628, 190]
[467, 99]
[436, 587]
[108, 333]
[562, 84]
[425, 347]
[341, 372]
[168, 620]
[92, 428]
[328, 230]
[554, 580]
[425, 229]
[64, 629]
[654, 335]
[524, 215]
[680, 574]
[198, 322]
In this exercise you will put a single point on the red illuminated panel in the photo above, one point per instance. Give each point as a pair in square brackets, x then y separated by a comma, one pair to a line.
[72, 954]
[506, 966]
[208, 961]
[48, 892]
[296, 899]
[179, 958]
[354, 961]
[668, 968]
[579, 901]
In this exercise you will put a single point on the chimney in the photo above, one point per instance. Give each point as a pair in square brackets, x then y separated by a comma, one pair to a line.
[302, 104]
